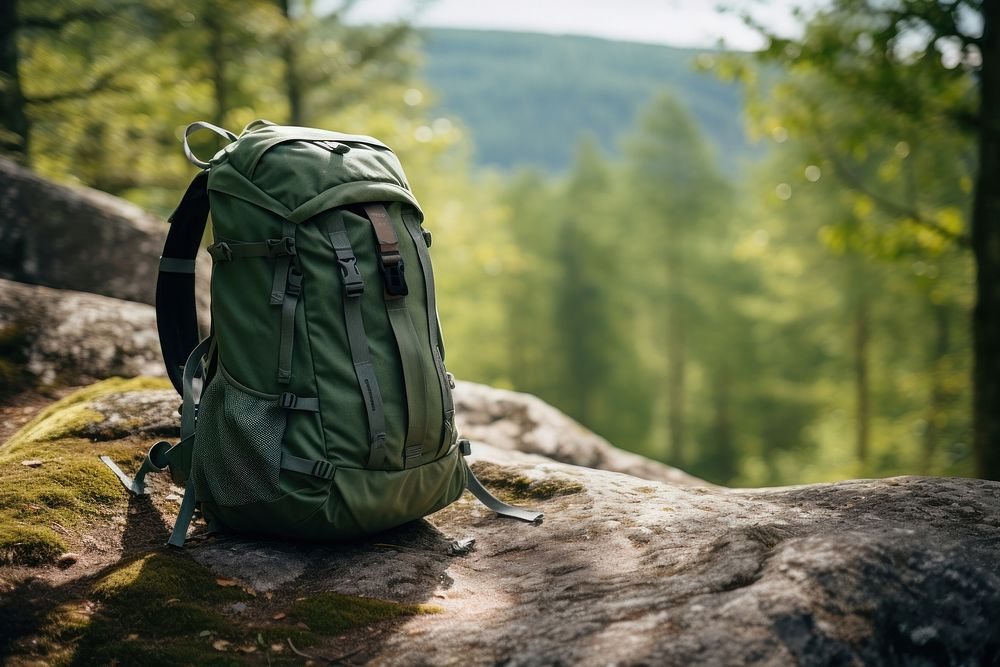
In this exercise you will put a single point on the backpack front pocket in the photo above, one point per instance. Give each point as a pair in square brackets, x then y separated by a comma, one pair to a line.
[236, 459]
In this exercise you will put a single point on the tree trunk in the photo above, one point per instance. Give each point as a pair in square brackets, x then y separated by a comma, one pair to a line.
[676, 366]
[986, 248]
[293, 87]
[862, 392]
[14, 126]
[724, 450]
[938, 393]
[217, 62]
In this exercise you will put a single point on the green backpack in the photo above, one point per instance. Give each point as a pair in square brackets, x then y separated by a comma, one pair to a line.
[319, 406]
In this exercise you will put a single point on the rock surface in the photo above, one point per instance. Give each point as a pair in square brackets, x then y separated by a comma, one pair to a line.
[67, 337]
[79, 238]
[517, 421]
[622, 570]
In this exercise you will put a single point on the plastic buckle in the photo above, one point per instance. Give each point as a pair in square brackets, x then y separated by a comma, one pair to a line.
[288, 400]
[465, 447]
[283, 246]
[392, 268]
[221, 252]
[354, 284]
[294, 285]
[427, 237]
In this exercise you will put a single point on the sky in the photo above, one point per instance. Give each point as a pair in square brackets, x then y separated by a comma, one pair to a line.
[689, 23]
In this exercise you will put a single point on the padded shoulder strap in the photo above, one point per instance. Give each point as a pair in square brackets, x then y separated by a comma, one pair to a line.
[176, 314]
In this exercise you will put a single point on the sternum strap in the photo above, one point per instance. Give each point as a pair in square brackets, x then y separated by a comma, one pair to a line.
[364, 370]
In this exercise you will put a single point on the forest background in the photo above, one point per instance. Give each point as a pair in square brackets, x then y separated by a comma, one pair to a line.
[759, 267]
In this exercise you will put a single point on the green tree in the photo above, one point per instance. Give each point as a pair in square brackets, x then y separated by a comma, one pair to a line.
[674, 195]
[936, 66]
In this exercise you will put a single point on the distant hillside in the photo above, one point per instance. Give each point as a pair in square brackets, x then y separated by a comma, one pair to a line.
[528, 97]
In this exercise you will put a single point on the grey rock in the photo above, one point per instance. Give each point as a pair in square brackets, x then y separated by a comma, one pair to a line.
[628, 571]
[631, 571]
[517, 421]
[79, 238]
[150, 412]
[75, 338]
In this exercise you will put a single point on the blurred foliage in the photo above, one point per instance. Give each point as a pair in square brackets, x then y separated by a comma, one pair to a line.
[806, 323]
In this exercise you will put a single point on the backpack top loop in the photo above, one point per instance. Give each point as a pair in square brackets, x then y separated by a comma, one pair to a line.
[202, 125]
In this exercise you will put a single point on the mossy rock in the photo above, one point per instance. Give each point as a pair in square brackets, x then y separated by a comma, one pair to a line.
[165, 609]
[517, 487]
[52, 478]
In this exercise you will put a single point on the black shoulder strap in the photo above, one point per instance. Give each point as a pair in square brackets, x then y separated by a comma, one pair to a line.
[176, 314]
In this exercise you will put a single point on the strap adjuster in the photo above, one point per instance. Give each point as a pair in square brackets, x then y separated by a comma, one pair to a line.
[288, 400]
[465, 447]
[279, 247]
[323, 470]
[221, 252]
[294, 285]
[392, 267]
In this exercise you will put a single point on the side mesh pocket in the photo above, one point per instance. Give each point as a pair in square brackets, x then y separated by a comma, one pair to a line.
[236, 459]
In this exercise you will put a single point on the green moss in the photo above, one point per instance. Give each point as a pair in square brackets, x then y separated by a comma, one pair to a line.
[165, 609]
[519, 487]
[331, 614]
[154, 611]
[64, 417]
[69, 487]
[163, 575]
[29, 545]
[66, 422]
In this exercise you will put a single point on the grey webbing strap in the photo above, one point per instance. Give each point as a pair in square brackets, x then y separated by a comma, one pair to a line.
[415, 380]
[487, 498]
[433, 324]
[192, 368]
[321, 469]
[290, 401]
[176, 265]
[202, 125]
[293, 288]
[184, 516]
[283, 266]
[364, 370]
[494, 503]
[189, 414]
[224, 251]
